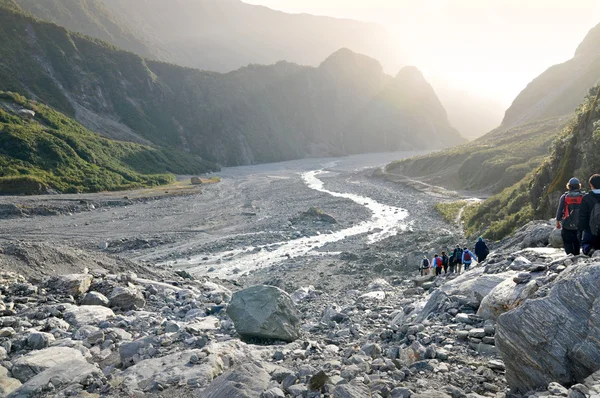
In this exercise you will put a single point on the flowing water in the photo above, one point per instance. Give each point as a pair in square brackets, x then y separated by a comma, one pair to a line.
[385, 221]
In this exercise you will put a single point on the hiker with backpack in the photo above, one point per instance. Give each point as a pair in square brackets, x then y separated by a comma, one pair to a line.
[458, 255]
[481, 250]
[467, 258]
[437, 264]
[567, 217]
[445, 261]
[424, 266]
[589, 217]
[451, 262]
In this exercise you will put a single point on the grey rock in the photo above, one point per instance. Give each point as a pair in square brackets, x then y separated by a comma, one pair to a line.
[431, 394]
[128, 351]
[520, 264]
[39, 340]
[7, 384]
[554, 338]
[264, 312]
[87, 314]
[555, 239]
[35, 362]
[126, 298]
[557, 389]
[274, 392]
[537, 236]
[505, 297]
[176, 369]
[523, 277]
[75, 372]
[353, 390]
[401, 392]
[95, 298]
[248, 380]
[70, 285]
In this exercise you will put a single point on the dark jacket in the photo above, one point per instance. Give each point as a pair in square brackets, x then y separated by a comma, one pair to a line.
[585, 211]
[481, 248]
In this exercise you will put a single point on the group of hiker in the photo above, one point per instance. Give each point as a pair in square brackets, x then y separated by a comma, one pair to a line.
[578, 217]
[453, 263]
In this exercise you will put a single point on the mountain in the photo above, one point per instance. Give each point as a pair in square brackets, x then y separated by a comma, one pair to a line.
[254, 114]
[559, 90]
[53, 151]
[225, 35]
[507, 154]
[218, 35]
[575, 153]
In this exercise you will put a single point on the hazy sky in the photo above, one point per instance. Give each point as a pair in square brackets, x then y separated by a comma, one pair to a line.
[492, 47]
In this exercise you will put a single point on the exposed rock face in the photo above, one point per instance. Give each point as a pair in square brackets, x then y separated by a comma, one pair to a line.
[248, 380]
[554, 338]
[264, 312]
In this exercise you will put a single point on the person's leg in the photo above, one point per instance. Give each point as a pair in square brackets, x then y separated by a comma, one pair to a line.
[567, 237]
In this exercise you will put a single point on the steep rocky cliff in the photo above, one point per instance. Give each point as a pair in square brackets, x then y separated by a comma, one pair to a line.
[255, 114]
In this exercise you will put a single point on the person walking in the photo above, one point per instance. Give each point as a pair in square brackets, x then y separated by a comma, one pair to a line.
[589, 218]
[467, 258]
[424, 266]
[458, 252]
[481, 250]
[445, 261]
[437, 264]
[567, 217]
[452, 262]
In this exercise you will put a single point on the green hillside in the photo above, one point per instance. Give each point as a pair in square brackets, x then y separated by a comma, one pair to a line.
[574, 153]
[255, 114]
[53, 151]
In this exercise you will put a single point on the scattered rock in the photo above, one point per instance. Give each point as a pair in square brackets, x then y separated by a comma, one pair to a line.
[264, 312]
[126, 298]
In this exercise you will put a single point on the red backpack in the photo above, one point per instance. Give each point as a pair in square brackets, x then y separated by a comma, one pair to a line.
[438, 262]
[467, 256]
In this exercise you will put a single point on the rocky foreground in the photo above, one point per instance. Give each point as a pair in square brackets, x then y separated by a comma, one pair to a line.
[523, 323]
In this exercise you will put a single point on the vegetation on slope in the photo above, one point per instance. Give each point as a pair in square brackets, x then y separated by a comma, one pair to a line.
[574, 153]
[491, 163]
[55, 152]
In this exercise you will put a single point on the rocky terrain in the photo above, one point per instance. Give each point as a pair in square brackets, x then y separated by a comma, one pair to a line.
[350, 318]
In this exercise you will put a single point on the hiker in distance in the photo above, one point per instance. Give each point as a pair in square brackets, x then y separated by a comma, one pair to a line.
[445, 262]
[589, 217]
[437, 263]
[481, 250]
[458, 254]
[567, 217]
[424, 267]
[467, 258]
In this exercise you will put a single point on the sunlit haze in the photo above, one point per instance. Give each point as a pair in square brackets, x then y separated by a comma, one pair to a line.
[491, 48]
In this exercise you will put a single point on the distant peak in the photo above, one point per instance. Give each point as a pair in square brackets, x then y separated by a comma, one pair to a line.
[345, 58]
[410, 72]
[591, 43]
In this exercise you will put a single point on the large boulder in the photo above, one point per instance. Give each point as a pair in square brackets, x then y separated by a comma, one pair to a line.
[70, 285]
[555, 239]
[506, 296]
[87, 314]
[126, 298]
[554, 338]
[472, 286]
[192, 368]
[355, 390]
[95, 298]
[537, 236]
[29, 365]
[75, 373]
[248, 380]
[264, 312]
